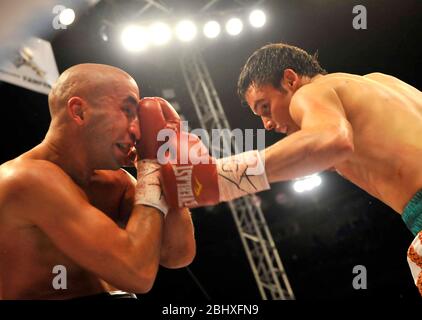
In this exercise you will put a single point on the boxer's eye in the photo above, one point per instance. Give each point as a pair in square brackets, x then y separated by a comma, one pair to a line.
[130, 112]
[265, 110]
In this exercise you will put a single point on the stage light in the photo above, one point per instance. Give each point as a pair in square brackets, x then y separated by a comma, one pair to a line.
[234, 26]
[135, 38]
[212, 29]
[160, 33]
[307, 183]
[257, 18]
[186, 30]
[104, 33]
[67, 16]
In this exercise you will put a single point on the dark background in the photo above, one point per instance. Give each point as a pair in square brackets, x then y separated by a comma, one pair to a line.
[320, 235]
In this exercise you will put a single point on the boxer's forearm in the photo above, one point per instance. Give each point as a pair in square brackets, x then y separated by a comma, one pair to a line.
[305, 152]
[178, 248]
[144, 231]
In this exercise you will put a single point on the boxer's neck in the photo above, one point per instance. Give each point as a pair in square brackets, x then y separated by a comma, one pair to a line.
[65, 152]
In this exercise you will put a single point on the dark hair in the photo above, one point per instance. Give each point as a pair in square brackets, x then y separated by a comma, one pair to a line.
[267, 64]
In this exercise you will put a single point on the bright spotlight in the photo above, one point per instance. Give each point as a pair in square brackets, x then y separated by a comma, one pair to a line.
[234, 26]
[160, 33]
[257, 18]
[317, 181]
[67, 16]
[135, 38]
[212, 29]
[186, 30]
[307, 183]
[298, 186]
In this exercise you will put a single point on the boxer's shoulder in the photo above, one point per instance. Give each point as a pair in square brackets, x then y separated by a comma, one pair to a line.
[24, 179]
[316, 90]
[24, 168]
[21, 181]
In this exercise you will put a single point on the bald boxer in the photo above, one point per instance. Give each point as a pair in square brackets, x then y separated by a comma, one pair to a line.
[67, 203]
[368, 128]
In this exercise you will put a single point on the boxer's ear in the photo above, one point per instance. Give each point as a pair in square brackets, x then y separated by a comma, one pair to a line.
[76, 109]
[290, 79]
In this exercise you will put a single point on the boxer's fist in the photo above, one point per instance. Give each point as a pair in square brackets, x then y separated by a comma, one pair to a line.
[192, 178]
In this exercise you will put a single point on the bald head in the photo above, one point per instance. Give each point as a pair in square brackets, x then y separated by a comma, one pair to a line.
[88, 81]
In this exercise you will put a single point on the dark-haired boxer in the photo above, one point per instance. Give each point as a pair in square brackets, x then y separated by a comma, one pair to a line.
[368, 128]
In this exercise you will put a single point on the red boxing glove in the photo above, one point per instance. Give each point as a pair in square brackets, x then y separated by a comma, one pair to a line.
[154, 115]
[192, 178]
